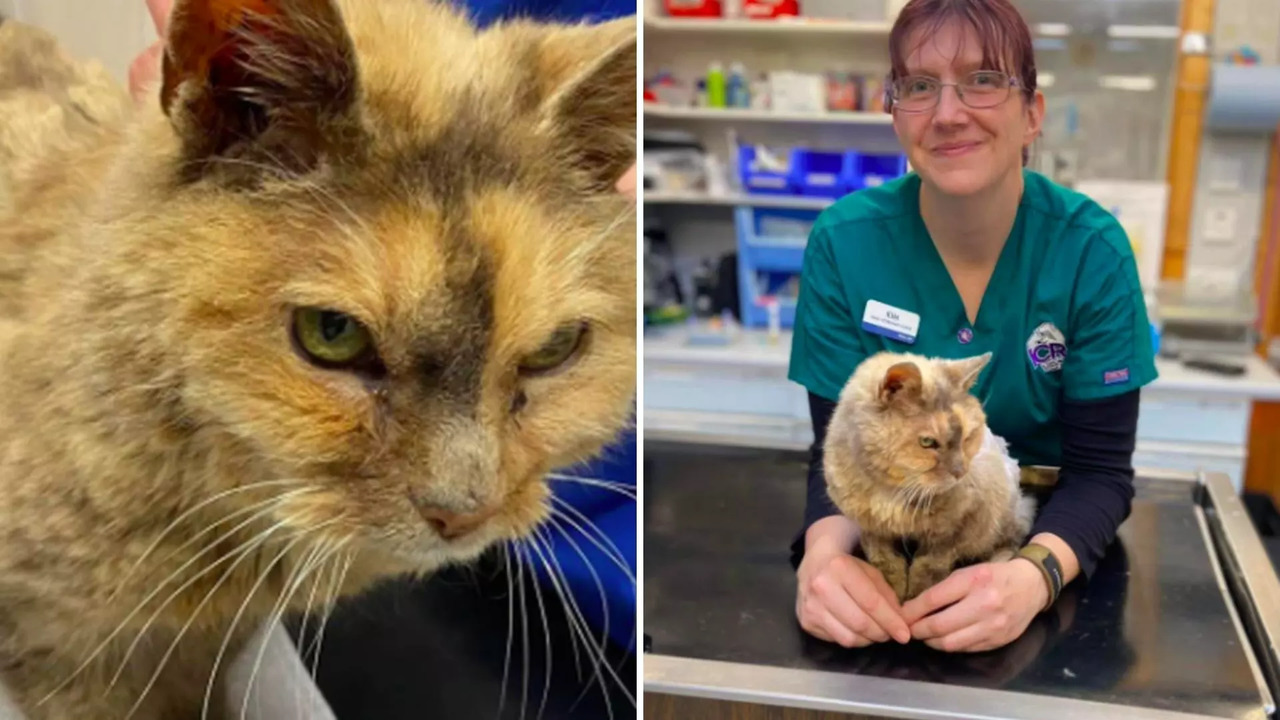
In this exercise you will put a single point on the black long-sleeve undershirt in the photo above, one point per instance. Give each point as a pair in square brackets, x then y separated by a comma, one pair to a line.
[1095, 483]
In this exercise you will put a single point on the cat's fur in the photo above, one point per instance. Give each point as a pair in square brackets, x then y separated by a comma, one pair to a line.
[451, 189]
[958, 502]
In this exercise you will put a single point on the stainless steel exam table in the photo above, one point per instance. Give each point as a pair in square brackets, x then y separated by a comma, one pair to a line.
[1179, 620]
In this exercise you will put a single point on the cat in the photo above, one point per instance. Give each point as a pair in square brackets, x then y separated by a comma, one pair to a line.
[329, 309]
[909, 457]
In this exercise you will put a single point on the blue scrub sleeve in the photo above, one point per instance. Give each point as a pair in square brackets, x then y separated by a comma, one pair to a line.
[825, 345]
[1109, 349]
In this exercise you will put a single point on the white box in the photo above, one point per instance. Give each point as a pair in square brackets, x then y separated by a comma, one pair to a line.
[282, 687]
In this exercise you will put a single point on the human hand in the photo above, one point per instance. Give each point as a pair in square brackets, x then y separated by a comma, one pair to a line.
[627, 183]
[845, 600]
[991, 604]
[144, 71]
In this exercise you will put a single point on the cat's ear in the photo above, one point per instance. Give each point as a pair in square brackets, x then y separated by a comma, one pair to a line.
[964, 373]
[258, 78]
[902, 383]
[591, 108]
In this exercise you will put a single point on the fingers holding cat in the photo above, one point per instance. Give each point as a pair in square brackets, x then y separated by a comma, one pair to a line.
[144, 71]
[845, 600]
[978, 608]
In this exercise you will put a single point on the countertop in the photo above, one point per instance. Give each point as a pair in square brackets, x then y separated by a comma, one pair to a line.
[752, 350]
[1150, 630]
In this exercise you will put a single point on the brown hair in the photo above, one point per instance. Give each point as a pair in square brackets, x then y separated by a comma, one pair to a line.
[1001, 30]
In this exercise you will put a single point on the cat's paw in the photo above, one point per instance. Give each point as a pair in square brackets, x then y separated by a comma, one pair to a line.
[1002, 555]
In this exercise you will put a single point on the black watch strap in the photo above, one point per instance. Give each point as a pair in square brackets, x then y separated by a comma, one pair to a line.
[1049, 566]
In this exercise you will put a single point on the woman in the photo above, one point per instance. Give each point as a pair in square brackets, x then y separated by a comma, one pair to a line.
[978, 254]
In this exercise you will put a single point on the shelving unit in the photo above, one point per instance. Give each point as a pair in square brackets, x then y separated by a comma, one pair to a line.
[825, 27]
[738, 199]
[739, 115]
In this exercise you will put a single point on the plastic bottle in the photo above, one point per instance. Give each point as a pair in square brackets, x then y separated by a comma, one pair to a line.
[715, 86]
[760, 93]
[739, 88]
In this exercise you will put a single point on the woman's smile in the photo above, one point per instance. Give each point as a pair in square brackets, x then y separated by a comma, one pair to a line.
[956, 149]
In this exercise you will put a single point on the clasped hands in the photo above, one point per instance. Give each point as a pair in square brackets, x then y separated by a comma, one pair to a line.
[845, 600]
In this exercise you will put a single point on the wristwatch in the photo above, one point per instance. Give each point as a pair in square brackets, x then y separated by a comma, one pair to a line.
[1049, 567]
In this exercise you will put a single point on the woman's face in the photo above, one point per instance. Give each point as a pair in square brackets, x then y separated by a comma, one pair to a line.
[958, 149]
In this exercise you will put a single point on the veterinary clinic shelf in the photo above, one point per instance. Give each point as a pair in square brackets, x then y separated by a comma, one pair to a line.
[740, 395]
[796, 202]
[1177, 623]
[666, 112]
[767, 27]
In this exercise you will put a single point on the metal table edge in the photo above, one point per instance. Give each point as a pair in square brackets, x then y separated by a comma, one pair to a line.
[882, 697]
[1254, 573]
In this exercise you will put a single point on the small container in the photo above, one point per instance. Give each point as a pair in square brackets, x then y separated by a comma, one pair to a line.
[716, 90]
[693, 8]
[739, 91]
[775, 318]
[760, 93]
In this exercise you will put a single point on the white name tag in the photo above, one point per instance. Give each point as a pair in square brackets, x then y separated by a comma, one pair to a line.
[891, 322]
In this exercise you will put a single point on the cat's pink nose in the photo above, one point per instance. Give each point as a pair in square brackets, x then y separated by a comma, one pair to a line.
[451, 525]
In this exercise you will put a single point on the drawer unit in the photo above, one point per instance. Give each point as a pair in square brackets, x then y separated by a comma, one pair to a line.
[1192, 418]
[721, 389]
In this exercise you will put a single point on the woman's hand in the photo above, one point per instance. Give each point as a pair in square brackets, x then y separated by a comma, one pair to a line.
[845, 600]
[144, 71]
[990, 606]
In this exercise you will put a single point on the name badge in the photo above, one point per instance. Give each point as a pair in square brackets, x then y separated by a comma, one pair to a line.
[891, 322]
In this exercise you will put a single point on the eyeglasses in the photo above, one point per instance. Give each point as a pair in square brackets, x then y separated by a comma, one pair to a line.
[978, 90]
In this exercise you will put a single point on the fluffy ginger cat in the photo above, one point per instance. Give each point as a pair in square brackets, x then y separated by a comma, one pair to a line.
[909, 457]
[329, 309]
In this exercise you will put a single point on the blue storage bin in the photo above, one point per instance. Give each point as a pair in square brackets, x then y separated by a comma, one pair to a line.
[763, 182]
[865, 170]
[774, 257]
[819, 174]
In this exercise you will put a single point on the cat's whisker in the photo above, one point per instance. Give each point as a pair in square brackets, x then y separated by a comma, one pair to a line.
[599, 650]
[511, 621]
[164, 659]
[335, 590]
[190, 581]
[235, 620]
[178, 520]
[546, 643]
[278, 501]
[589, 524]
[604, 599]
[524, 641]
[572, 617]
[124, 622]
[317, 554]
[617, 561]
[579, 622]
[306, 617]
[620, 488]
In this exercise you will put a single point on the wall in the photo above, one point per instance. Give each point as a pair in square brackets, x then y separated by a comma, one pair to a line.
[110, 31]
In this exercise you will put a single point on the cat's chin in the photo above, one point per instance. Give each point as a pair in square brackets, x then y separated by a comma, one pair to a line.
[431, 554]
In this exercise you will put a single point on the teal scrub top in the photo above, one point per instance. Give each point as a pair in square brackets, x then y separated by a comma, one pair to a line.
[1063, 314]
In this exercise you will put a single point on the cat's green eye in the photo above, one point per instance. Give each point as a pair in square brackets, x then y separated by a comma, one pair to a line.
[331, 338]
[928, 442]
[559, 348]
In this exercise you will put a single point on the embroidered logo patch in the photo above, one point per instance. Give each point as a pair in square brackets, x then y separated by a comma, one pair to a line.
[1113, 377]
[1047, 348]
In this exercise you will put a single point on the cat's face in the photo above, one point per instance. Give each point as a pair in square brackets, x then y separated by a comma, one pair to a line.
[405, 281]
[919, 423]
